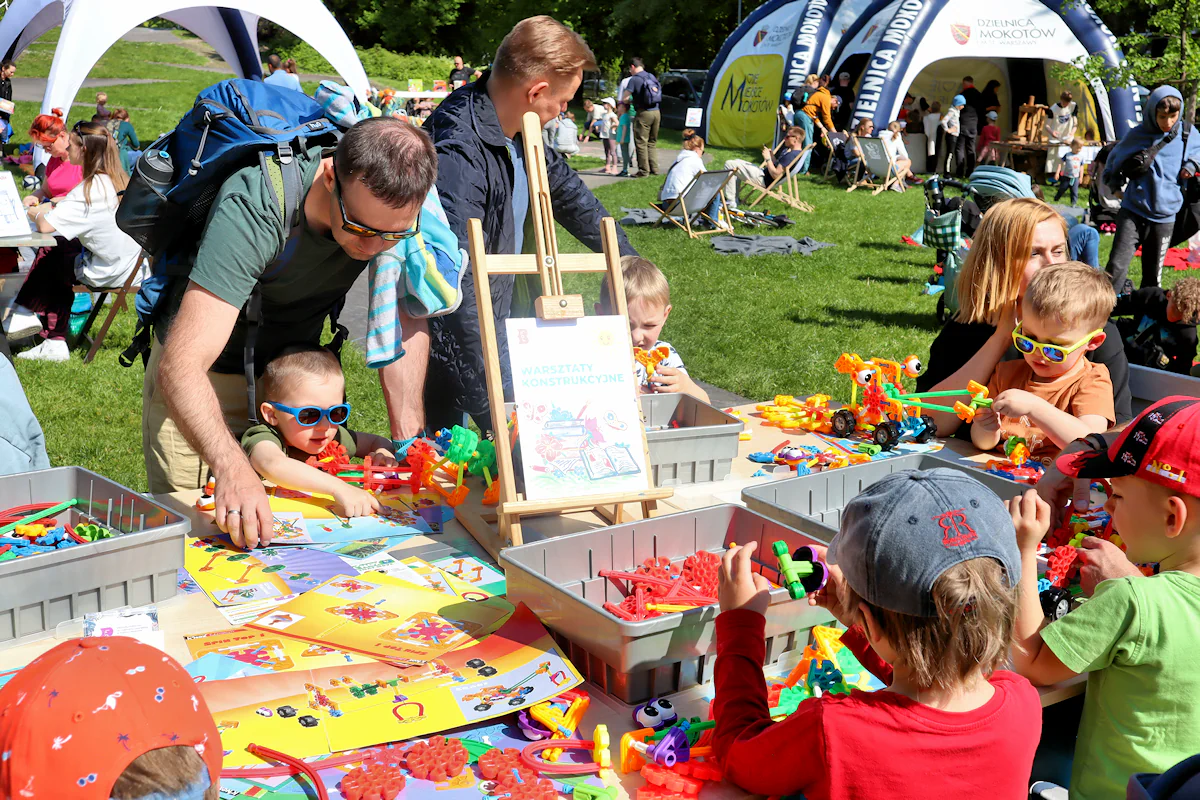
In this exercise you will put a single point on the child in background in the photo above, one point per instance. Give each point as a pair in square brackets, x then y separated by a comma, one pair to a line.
[1153, 195]
[566, 136]
[893, 140]
[1162, 333]
[1053, 395]
[930, 124]
[1070, 167]
[950, 123]
[100, 718]
[988, 135]
[1137, 637]
[592, 110]
[648, 301]
[624, 136]
[304, 411]
[951, 722]
[101, 109]
[608, 135]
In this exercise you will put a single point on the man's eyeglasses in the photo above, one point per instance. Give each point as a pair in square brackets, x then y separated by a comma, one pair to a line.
[309, 416]
[1054, 353]
[354, 229]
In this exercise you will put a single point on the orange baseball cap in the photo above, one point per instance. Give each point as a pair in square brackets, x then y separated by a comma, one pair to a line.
[78, 715]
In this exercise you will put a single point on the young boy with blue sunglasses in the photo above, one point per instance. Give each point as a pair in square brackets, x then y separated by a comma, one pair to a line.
[304, 411]
[1053, 395]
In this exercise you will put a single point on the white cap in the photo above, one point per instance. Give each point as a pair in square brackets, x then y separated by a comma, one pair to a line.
[607, 101]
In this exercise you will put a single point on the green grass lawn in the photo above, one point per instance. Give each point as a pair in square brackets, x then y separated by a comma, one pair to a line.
[756, 326]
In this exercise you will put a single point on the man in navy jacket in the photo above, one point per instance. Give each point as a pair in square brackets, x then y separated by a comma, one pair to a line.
[481, 174]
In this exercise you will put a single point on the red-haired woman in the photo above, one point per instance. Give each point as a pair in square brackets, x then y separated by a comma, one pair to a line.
[50, 131]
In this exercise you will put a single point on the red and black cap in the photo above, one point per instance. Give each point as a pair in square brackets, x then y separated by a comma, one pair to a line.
[1162, 445]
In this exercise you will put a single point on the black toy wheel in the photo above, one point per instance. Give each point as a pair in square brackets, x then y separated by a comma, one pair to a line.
[475, 663]
[885, 435]
[1056, 603]
[487, 672]
[483, 706]
[842, 423]
[930, 430]
[517, 701]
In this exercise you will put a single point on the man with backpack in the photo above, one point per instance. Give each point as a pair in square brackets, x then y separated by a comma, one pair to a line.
[646, 93]
[261, 280]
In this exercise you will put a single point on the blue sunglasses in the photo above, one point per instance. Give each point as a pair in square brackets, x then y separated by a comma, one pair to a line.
[311, 415]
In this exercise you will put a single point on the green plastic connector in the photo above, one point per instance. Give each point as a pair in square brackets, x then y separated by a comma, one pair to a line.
[585, 791]
[791, 572]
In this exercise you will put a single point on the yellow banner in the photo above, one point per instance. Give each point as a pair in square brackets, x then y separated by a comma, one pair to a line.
[746, 99]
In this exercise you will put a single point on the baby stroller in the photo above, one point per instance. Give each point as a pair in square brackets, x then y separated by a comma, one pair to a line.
[1103, 202]
[949, 224]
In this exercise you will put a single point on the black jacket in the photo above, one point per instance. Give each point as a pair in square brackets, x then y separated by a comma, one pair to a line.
[475, 180]
[5, 93]
[1148, 307]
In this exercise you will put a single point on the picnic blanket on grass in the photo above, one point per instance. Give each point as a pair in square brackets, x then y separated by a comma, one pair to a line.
[759, 245]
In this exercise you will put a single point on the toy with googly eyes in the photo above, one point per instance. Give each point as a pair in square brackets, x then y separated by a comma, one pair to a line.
[656, 714]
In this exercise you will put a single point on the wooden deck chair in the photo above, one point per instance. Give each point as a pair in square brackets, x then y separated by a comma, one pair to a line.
[876, 160]
[786, 188]
[99, 295]
[693, 202]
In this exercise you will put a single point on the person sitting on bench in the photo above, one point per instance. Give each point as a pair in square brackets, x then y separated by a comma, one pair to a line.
[775, 164]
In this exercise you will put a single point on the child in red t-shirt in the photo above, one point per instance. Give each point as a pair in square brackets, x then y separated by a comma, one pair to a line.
[925, 569]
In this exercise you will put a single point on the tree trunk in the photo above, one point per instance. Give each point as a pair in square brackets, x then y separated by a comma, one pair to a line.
[1187, 87]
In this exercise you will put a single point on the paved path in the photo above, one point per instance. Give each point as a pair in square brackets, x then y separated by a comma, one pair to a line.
[34, 89]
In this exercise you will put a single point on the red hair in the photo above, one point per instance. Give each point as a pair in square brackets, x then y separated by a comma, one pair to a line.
[48, 126]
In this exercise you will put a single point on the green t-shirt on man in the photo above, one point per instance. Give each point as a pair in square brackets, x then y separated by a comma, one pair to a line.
[244, 233]
[1137, 639]
[266, 433]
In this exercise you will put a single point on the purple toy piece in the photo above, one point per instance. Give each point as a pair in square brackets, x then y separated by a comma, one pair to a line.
[531, 729]
[671, 748]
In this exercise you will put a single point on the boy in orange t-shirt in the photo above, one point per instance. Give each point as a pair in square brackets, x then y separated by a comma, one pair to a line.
[1053, 395]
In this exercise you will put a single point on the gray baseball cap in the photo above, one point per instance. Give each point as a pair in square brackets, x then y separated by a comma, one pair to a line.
[901, 533]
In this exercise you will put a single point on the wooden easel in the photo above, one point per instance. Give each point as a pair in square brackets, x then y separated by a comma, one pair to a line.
[1031, 121]
[553, 304]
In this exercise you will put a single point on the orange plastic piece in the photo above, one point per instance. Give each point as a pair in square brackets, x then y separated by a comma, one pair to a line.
[670, 781]
[437, 759]
[373, 781]
[964, 411]
[650, 359]
[491, 497]
[631, 760]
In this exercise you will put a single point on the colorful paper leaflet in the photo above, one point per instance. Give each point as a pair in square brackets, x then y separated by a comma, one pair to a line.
[316, 712]
[269, 651]
[383, 617]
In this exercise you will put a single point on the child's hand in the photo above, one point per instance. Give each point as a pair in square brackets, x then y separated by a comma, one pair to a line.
[1031, 518]
[739, 586]
[354, 502]
[987, 419]
[1016, 403]
[670, 380]
[382, 457]
[833, 596]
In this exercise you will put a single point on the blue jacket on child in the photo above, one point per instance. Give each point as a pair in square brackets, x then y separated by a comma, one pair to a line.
[22, 445]
[1157, 195]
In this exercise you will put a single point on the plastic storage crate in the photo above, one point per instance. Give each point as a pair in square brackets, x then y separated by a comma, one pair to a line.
[701, 449]
[813, 503]
[634, 661]
[138, 565]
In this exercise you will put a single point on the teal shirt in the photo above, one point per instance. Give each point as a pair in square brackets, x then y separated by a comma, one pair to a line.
[624, 127]
[1138, 640]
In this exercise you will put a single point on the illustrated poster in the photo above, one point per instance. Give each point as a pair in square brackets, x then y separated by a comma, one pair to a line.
[579, 421]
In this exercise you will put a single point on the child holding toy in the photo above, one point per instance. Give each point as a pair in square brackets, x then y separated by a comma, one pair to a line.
[1137, 637]
[1053, 395]
[648, 301]
[936, 630]
[304, 411]
[100, 718]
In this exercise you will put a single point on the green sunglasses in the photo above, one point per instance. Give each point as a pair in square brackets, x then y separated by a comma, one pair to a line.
[1054, 353]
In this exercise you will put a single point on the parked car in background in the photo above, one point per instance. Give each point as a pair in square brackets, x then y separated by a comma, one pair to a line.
[681, 90]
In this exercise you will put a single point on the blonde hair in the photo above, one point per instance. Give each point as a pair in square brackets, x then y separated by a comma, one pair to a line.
[1073, 293]
[295, 364]
[101, 156]
[643, 281]
[976, 610]
[540, 46]
[1186, 294]
[1076, 144]
[991, 279]
[101, 97]
[167, 770]
[692, 141]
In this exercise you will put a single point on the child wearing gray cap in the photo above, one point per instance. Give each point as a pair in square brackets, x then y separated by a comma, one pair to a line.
[925, 573]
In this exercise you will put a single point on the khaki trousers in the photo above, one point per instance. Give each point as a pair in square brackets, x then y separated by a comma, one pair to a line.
[171, 463]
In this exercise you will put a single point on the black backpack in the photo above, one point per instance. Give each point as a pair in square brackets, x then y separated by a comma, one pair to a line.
[649, 92]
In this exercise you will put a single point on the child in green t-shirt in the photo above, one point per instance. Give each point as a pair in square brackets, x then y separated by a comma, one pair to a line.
[304, 411]
[1137, 637]
[624, 136]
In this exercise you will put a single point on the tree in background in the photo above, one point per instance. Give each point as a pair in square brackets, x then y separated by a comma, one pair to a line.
[1158, 43]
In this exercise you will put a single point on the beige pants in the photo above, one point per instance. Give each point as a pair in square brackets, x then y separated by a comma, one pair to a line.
[745, 172]
[171, 463]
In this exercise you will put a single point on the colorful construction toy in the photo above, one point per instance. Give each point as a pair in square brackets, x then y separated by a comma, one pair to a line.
[437, 759]
[599, 745]
[801, 572]
[659, 586]
[650, 359]
[658, 713]
[379, 776]
[562, 719]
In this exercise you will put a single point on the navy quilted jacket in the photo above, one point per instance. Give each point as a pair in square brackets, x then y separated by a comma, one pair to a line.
[475, 180]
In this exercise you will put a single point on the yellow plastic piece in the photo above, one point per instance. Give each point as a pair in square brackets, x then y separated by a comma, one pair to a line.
[631, 759]
[561, 724]
[30, 531]
[600, 752]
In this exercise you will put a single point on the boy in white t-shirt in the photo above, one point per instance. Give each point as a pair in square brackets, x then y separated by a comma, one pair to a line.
[1061, 121]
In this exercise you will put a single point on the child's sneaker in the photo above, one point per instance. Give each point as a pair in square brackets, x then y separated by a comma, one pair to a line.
[21, 322]
[49, 350]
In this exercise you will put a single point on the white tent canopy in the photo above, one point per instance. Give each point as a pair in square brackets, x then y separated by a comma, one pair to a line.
[90, 27]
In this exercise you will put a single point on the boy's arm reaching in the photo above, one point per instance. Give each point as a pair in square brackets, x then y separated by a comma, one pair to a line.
[1061, 426]
[274, 465]
[1030, 655]
[985, 430]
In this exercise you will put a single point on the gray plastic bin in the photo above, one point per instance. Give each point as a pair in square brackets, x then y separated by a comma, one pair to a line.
[701, 449]
[634, 661]
[136, 566]
[813, 503]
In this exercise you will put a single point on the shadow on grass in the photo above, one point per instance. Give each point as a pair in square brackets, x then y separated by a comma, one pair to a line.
[910, 320]
[890, 246]
[899, 281]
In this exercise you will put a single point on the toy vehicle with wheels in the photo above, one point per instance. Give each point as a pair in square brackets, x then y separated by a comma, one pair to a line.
[1056, 603]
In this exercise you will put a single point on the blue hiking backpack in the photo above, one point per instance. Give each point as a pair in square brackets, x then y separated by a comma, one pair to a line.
[234, 124]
